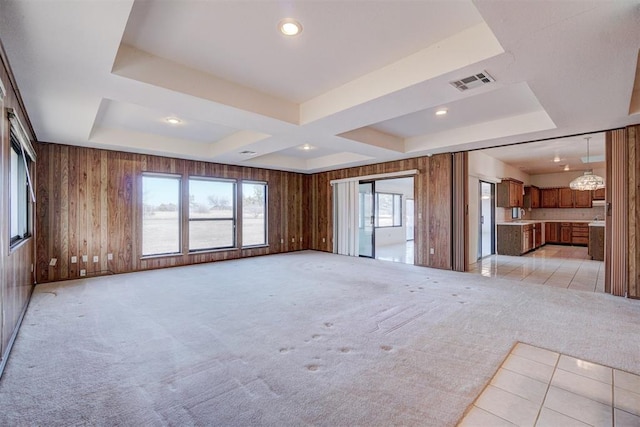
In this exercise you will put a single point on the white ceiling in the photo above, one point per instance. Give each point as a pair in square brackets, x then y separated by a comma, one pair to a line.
[360, 84]
[552, 156]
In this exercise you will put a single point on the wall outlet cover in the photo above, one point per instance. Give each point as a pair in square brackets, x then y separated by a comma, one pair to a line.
[85, 258]
[53, 262]
[74, 259]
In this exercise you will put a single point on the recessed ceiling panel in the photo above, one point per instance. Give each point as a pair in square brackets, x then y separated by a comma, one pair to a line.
[340, 41]
[122, 115]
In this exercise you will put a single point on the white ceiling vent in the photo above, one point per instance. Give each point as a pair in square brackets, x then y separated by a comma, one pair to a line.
[473, 81]
[248, 153]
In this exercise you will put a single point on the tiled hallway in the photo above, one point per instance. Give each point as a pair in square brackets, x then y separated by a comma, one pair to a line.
[552, 265]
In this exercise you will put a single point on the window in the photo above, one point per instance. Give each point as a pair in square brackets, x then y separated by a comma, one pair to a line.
[212, 218]
[19, 196]
[161, 214]
[388, 210]
[254, 213]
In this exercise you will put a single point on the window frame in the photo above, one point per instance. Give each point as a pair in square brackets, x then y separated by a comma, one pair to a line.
[24, 215]
[265, 185]
[393, 210]
[234, 210]
[177, 177]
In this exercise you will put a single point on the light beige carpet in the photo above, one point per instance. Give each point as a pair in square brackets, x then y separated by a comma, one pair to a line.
[305, 338]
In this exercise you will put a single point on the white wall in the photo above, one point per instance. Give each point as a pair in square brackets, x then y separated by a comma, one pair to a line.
[560, 179]
[486, 168]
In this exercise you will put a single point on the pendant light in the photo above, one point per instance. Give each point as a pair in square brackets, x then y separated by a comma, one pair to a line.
[588, 181]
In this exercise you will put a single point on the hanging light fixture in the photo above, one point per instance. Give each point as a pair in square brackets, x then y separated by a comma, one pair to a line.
[588, 181]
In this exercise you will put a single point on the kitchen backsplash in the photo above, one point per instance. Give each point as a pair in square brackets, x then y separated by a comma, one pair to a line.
[568, 214]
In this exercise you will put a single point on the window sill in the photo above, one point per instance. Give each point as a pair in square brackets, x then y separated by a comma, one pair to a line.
[208, 251]
[17, 245]
[255, 247]
[146, 257]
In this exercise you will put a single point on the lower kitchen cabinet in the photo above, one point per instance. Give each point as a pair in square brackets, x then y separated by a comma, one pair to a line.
[551, 234]
[596, 243]
[565, 233]
[518, 239]
[580, 234]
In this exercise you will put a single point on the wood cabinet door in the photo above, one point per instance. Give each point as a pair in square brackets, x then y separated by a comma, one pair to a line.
[538, 235]
[515, 194]
[565, 233]
[582, 199]
[598, 194]
[535, 197]
[551, 232]
[565, 197]
[549, 197]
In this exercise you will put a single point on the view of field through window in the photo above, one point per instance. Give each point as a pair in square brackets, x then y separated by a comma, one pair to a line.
[212, 214]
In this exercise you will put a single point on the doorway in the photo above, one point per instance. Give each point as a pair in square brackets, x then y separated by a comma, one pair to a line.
[366, 219]
[487, 218]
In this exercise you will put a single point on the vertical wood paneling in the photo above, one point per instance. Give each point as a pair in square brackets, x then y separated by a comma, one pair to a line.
[633, 135]
[16, 277]
[433, 190]
[619, 226]
[106, 217]
[460, 212]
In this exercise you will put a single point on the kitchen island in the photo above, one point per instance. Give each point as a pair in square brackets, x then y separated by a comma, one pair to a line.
[522, 236]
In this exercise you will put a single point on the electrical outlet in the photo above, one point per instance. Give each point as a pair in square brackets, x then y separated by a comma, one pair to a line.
[95, 258]
[110, 257]
[53, 262]
[83, 272]
[301, 239]
[324, 240]
[85, 258]
[293, 240]
[281, 240]
[432, 251]
[74, 259]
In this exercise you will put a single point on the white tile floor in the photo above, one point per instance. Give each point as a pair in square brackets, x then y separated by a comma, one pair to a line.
[538, 387]
[551, 265]
[402, 252]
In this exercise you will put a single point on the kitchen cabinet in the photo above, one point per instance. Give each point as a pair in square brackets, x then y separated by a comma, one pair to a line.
[517, 239]
[582, 199]
[565, 232]
[579, 234]
[509, 193]
[598, 194]
[549, 197]
[551, 234]
[531, 197]
[596, 243]
[565, 197]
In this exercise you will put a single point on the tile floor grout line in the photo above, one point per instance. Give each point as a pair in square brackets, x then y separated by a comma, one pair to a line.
[547, 390]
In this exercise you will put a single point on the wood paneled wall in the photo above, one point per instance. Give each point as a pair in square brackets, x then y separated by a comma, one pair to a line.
[617, 195]
[433, 205]
[15, 264]
[89, 203]
[633, 276]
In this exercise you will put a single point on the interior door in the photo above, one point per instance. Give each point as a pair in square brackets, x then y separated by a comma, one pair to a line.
[366, 220]
[486, 238]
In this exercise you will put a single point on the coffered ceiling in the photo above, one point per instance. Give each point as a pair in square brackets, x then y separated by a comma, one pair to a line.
[360, 84]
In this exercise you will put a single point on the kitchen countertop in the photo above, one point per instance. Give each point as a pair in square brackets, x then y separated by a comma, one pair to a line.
[536, 221]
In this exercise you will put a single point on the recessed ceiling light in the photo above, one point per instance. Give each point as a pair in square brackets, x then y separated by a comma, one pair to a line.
[306, 147]
[290, 27]
[173, 120]
[566, 167]
[556, 159]
[441, 112]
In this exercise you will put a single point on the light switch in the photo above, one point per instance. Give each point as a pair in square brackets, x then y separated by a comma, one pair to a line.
[85, 258]
[95, 258]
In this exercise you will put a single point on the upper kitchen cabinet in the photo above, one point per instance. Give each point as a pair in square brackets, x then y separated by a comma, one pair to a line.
[598, 194]
[549, 197]
[510, 193]
[531, 197]
[565, 197]
[574, 198]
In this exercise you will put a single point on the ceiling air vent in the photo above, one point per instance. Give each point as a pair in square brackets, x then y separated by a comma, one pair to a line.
[473, 81]
[248, 153]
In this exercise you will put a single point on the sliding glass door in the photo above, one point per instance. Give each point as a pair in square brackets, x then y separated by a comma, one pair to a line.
[366, 220]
